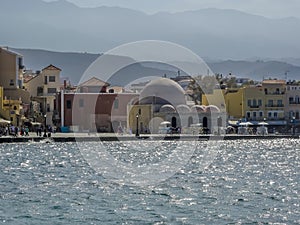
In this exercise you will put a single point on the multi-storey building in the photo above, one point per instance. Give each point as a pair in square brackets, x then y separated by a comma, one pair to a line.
[11, 69]
[43, 88]
[274, 91]
[292, 109]
[13, 97]
[256, 103]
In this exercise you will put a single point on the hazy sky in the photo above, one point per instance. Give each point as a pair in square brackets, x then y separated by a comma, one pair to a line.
[268, 8]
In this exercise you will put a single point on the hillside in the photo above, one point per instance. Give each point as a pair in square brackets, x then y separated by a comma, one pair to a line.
[214, 33]
[73, 66]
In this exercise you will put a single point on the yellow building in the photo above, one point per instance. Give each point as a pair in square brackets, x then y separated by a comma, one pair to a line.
[254, 103]
[139, 116]
[43, 88]
[10, 109]
[215, 99]
[13, 96]
[275, 92]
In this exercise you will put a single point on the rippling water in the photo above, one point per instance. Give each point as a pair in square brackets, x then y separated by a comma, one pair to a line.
[248, 182]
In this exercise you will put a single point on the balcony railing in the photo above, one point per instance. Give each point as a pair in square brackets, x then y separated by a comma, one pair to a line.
[294, 103]
[254, 106]
[275, 105]
[275, 93]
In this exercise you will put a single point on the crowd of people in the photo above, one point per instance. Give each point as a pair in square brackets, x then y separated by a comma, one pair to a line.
[23, 131]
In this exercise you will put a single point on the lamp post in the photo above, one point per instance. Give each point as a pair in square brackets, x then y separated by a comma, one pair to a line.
[293, 125]
[137, 125]
[45, 124]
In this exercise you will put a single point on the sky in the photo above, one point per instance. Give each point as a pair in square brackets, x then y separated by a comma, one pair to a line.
[267, 8]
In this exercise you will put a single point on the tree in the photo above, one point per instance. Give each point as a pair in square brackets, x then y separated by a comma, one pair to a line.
[200, 85]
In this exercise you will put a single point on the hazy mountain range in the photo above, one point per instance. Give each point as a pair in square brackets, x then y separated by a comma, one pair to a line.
[73, 66]
[213, 33]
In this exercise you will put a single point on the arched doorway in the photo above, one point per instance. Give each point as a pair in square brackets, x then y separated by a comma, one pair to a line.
[174, 121]
[205, 122]
[205, 125]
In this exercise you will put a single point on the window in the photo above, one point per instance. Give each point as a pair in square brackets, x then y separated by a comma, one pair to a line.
[51, 78]
[46, 80]
[116, 104]
[269, 114]
[69, 104]
[248, 114]
[275, 115]
[81, 103]
[249, 102]
[11, 83]
[291, 100]
[254, 103]
[259, 102]
[279, 103]
[254, 114]
[40, 91]
[51, 90]
[261, 114]
[270, 103]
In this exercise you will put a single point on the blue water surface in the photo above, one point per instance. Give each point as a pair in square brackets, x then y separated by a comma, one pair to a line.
[248, 182]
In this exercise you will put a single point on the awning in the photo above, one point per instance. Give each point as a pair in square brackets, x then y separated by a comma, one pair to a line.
[233, 122]
[3, 121]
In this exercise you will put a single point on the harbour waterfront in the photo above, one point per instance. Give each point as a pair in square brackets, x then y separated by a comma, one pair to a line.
[82, 137]
[249, 181]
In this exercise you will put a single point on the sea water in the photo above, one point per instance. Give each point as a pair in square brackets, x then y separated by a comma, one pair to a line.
[246, 182]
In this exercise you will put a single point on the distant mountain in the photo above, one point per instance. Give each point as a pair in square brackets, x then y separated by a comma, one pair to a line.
[73, 66]
[214, 33]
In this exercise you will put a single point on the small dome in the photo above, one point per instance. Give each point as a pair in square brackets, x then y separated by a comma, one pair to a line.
[163, 91]
[212, 108]
[167, 109]
[198, 108]
[183, 109]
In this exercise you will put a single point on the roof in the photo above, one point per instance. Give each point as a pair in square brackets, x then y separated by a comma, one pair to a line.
[51, 67]
[273, 82]
[94, 82]
[163, 90]
[10, 51]
[27, 78]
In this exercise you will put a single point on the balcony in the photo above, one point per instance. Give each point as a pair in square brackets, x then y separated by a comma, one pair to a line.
[275, 93]
[275, 106]
[254, 106]
[294, 103]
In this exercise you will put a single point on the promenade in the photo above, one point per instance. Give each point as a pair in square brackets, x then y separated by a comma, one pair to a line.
[80, 137]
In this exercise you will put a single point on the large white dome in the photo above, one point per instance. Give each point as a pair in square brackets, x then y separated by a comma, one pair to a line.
[163, 91]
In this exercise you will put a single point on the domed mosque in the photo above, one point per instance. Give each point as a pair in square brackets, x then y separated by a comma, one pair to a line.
[164, 101]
